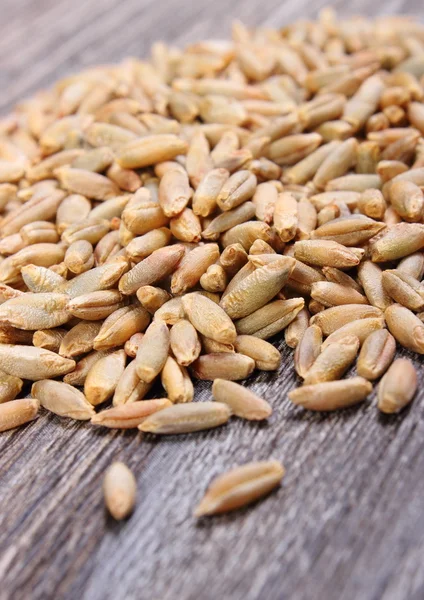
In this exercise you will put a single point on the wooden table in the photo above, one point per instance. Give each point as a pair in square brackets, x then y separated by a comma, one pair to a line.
[348, 521]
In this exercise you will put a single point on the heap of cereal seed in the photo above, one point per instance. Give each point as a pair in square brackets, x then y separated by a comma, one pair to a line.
[161, 219]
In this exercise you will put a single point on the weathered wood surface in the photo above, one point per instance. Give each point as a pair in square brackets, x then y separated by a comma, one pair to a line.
[348, 521]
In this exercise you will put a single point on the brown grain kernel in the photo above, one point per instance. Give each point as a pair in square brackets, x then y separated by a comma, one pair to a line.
[270, 319]
[246, 234]
[18, 412]
[266, 357]
[337, 276]
[131, 415]
[174, 192]
[223, 365]
[353, 230]
[143, 246]
[79, 257]
[412, 265]
[240, 486]
[110, 209]
[32, 363]
[333, 361]
[334, 294]
[237, 189]
[391, 217]
[206, 194]
[198, 160]
[208, 318]
[192, 267]
[155, 267]
[360, 328]
[186, 227]
[335, 317]
[96, 160]
[72, 209]
[228, 219]
[176, 382]
[264, 200]
[404, 289]
[293, 148]
[131, 345]
[10, 387]
[11, 335]
[130, 388]
[307, 350]
[398, 386]
[408, 200]
[187, 418]
[39, 232]
[325, 253]
[43, 255]
[372, 204]
[305, 170]
[152, 298]
[109, 246]
[337, 163]
[120, 489]
[170, 312]
[90, 230]
[79, 339]
[376, 354]
[39, 207]
[285, 216]
[184, 342]
[50, 339]
[102, 378]
[140, 219]
[62, 399]
[215, 279]
[354, 183]
[295, 330]
[153, 351]
[242, 401]
[370, 276]
[367, 157]
[397, 241]
[406, 327]
[35, 311]
[150, 150]
[331, 395]
[91, 185]
[257, 289]
[95, 306]
[120, 326]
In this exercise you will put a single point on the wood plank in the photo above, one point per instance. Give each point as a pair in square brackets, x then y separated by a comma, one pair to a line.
[348, 519]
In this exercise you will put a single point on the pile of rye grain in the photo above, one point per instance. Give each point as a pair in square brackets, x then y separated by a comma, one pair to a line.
[161, 219]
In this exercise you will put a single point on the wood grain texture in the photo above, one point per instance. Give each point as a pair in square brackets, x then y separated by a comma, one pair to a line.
[348, 521]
